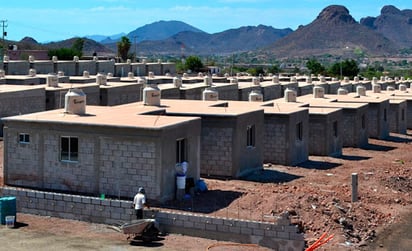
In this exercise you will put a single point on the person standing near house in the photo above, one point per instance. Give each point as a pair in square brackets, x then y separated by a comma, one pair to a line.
[139, 202]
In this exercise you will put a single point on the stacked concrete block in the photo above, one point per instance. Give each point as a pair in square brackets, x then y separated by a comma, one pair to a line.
[16, 67]
[286, 135]
[105, 66]
[120, 93]
[169, 91]
[122, 69]
[156, 68]
[68, 67]
[279, 235]
[397, 116]
[325, 131]
[139, 69]
[43, 67]
[227, 91]
[192, 91]
[86, 65]
[271, 90]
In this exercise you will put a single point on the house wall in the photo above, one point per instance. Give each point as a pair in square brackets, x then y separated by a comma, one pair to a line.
[245, 91]
[88, 65]
[21, 102]
[16, 67]
[138, 69]
[55, 97]
[227, 91]
[397, 116]
[281, 143]
[192, 93]
[105, 66]
[271, 91]
[43, 67]
[322, 140]
[122, 69]
[120, 94]
[223, 145]
[68, 67]
[112, 161]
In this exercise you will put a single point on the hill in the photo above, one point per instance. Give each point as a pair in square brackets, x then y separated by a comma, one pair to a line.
[394, 24]
[333, 32]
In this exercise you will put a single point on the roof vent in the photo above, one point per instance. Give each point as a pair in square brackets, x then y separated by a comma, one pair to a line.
[76, 58]
[95, 58]
[151, 95]
[226, 75]
[6, 59]
[86, 74]
[55, 59]
[402, 78]
[309, 79]
[31, 58]
[177, 82]
[356, 79]
[376, 88]
[290, 95]
[52, 80]
[318, 92]
[75, 102]
[322, 79]
[360, 90]
[32, 72]
[342, 91]
[128, 61]
[382, 78]
[60, 73]
[151, 74]
[109, 75]
[130, 75]
[255, 96]
[2, 73]
[390, 88]
[207, 80]
[275, 79]
[374, 80]
[234, 81]
[101, 79]
[346, 80]
[200, 75]
[142, 81]
[293, 79]
[210, 94]
[185, 75]
[255, 81]
[402, 87]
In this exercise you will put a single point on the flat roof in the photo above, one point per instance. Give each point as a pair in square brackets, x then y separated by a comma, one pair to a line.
[66, 86]
[342, 105]
[323, 110]
[352, 97]
[124, 116]
[4, 88]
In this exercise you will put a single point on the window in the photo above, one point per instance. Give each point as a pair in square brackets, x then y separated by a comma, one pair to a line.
[181, 148]
[299, 131]
[250, 134]
[24, 138]
[384, 115]
[69, 148]
[335, 128]
[403, 114]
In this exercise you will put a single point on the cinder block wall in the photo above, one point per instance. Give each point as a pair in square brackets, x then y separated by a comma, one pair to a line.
[279, 235]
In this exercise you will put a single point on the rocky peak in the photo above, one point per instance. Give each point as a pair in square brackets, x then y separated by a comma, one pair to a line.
[390, 10]
[336, 14]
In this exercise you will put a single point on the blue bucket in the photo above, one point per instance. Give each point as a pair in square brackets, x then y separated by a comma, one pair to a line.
[7, 208]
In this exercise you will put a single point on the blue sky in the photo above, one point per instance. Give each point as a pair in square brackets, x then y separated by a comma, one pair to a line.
[53, 20]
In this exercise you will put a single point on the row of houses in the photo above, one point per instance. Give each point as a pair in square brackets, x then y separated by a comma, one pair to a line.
[95, 149]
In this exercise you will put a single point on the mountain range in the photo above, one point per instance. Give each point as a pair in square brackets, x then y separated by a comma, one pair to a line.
[333, 32]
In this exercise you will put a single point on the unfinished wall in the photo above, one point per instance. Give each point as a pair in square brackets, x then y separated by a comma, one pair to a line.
[279, 235]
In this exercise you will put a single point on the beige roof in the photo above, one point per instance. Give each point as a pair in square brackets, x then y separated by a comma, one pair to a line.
[125, 116]
[323, 110]
[15, 88]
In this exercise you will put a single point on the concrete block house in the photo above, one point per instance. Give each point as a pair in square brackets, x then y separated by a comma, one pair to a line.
[108, 150]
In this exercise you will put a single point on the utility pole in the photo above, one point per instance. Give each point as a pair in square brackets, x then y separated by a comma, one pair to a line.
[4, 33]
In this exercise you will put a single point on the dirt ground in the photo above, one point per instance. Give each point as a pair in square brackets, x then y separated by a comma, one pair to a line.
[317, 195]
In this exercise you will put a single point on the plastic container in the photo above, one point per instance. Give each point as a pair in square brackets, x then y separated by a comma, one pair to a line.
[181, 182]
[10, 221]
[7, 208]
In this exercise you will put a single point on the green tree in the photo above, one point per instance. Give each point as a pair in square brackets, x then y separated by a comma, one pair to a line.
[123, 47]
[315, 67]
[78, 46]
[193, 63]
[63, 53]
[347, 68]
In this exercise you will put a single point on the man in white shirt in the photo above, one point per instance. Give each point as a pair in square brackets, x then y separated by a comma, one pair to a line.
[139, 202]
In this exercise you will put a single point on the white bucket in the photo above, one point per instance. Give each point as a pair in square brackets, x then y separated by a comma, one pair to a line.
[10, 221]
[181, 182]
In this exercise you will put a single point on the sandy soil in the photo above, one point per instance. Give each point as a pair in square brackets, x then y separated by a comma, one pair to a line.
[317, 195]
